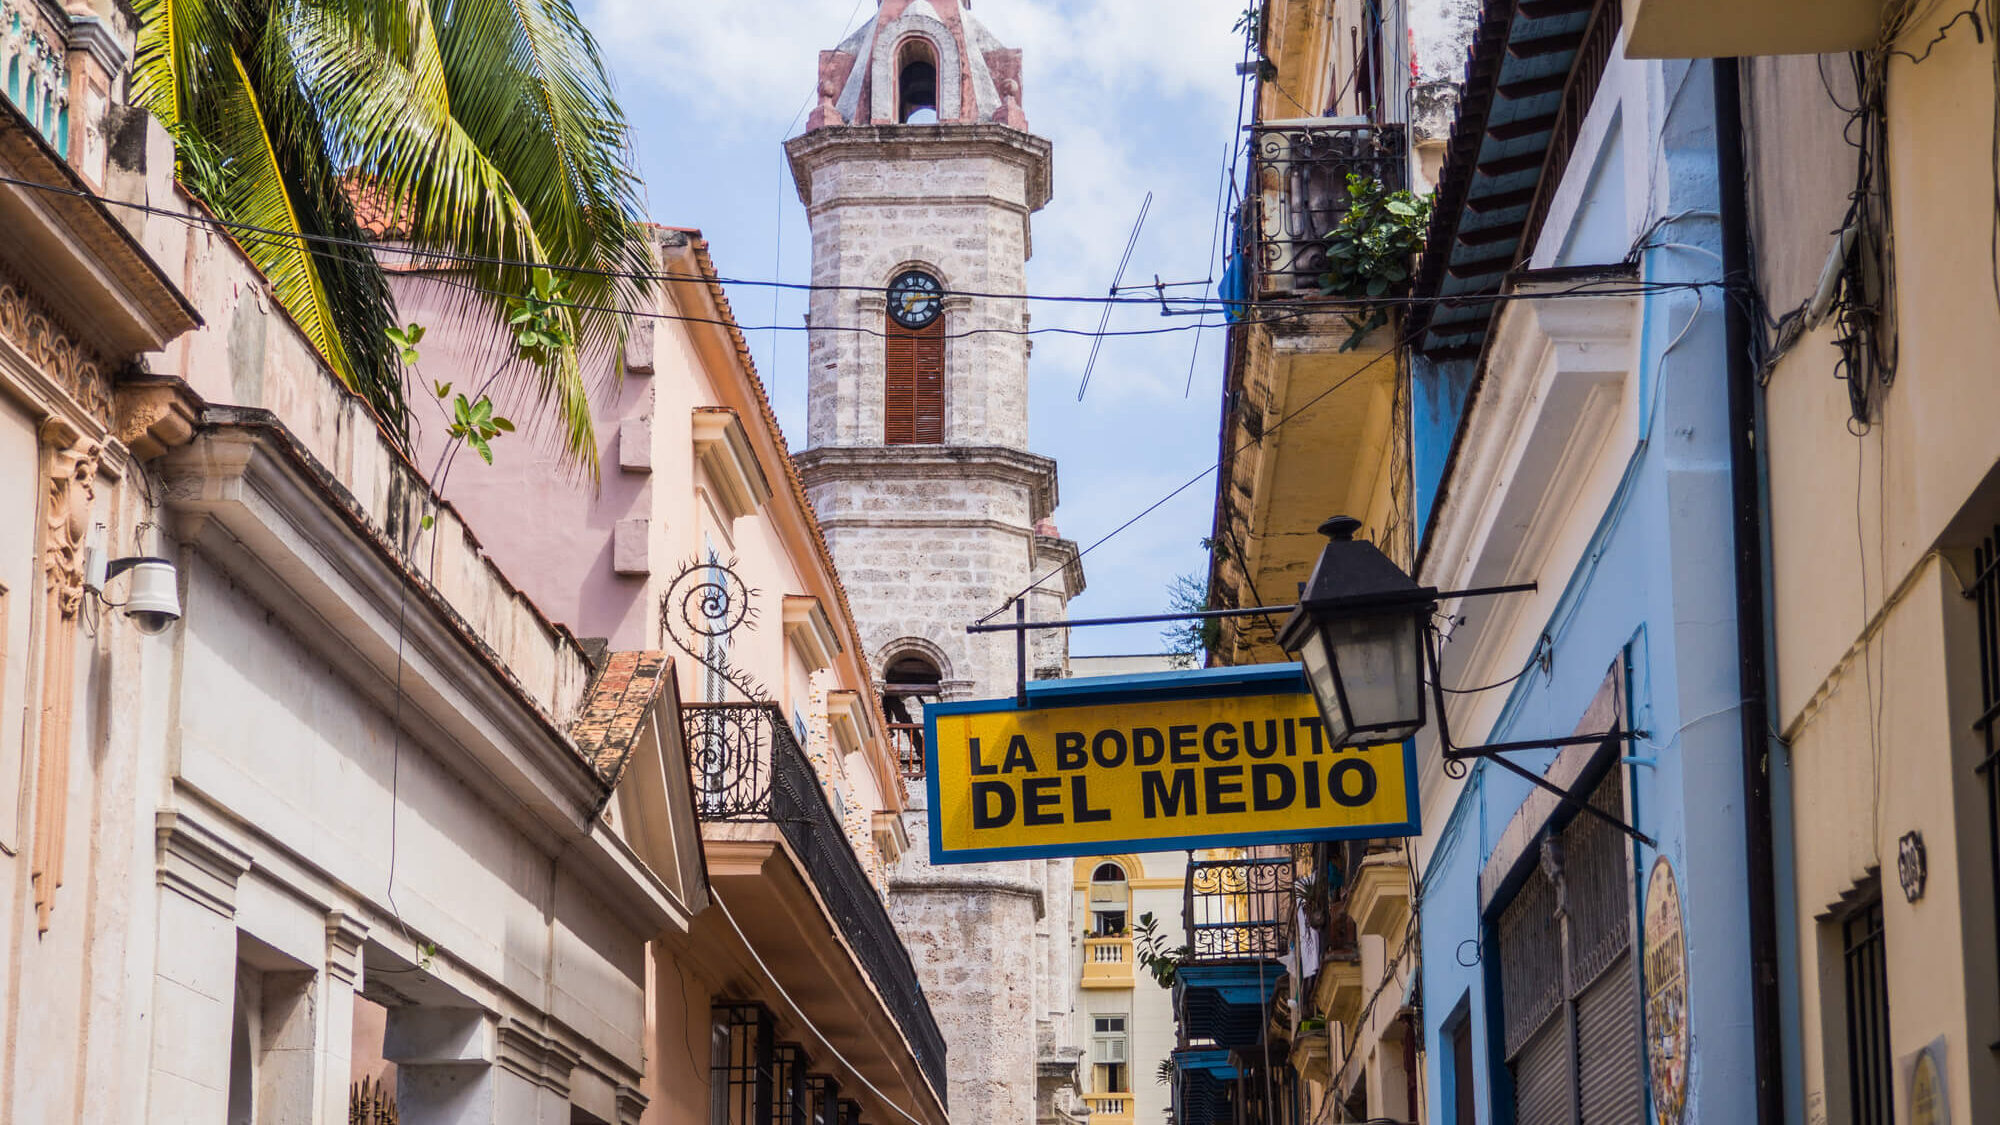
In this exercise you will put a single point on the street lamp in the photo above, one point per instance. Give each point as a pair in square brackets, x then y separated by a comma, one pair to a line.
[1359, 629]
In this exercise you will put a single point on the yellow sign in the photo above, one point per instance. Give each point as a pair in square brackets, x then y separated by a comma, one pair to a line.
[1162, 770]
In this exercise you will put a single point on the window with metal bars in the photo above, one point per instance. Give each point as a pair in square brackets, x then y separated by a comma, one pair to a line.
[741, 1065]
[1985, 594]
[913, 398]
[850, 1112]
[823, 1099]
[788, 1085]
[1870, 1082]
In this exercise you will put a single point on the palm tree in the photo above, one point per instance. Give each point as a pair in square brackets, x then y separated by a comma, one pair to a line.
[487, 129]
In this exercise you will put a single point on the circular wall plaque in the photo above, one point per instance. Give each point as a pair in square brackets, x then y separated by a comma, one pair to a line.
[1666, 994]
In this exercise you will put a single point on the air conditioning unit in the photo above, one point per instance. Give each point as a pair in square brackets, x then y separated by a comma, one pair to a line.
[1300, 195]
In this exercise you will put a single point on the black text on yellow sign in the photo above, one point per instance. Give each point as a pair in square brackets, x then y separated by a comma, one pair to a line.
[1153, 774]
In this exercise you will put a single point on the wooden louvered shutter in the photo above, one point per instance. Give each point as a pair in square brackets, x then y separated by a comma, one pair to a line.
[913, 393]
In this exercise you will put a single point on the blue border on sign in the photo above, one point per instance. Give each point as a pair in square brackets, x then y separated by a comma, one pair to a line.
[1198, 683]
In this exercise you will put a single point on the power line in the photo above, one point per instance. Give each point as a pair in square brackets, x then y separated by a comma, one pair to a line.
[435, 260]
[1202, 475]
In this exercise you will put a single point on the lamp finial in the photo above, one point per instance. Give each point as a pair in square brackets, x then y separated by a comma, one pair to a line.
[1340, 529]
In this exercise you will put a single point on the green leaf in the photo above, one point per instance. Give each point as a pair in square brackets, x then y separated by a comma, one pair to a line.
[1400, 207]
[503, 425]
[479, 444]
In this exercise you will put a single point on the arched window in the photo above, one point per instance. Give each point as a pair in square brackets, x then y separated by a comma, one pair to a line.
[913, 361]
[909, 684]
[1110, 901]
[917, 82]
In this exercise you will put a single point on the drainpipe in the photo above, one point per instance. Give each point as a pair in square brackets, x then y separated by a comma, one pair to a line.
[1746, 503]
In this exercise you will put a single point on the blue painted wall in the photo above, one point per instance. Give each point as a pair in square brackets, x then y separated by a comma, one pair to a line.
[1654, 592]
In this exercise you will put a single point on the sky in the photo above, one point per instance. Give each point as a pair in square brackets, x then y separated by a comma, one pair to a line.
[1137, 96]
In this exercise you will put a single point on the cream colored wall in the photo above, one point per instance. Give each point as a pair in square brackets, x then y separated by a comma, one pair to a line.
[1156, 881]
[1876, 656]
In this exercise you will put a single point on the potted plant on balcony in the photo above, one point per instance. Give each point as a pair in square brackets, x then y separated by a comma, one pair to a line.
[1368, 253]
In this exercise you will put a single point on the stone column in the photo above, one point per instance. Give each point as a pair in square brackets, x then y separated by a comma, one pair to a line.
[334, 1074]
[964, 412]
[194, 981]
[71, 487]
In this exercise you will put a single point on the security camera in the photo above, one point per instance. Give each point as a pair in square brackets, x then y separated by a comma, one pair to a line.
[155, 600]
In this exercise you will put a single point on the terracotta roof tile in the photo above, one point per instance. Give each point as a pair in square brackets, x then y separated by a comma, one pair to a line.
[613, 715]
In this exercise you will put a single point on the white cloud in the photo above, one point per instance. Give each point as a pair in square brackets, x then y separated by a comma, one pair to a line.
[760, 60]
[1135, 95]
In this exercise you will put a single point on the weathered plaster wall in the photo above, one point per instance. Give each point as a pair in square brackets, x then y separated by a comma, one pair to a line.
[1870, 545]
[1634, 571]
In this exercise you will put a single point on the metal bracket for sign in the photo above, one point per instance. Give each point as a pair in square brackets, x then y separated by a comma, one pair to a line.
[1455, 757]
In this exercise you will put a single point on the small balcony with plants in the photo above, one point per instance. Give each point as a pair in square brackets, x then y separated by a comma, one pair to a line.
[1330, 215]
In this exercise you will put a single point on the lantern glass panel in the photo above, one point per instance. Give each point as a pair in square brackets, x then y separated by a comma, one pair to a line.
[1377, 660]
[1319, 677]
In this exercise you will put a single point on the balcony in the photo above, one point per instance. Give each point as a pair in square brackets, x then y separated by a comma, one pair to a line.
[1107, 962]
[34, 70]
[908, 739]
[755, 788]
[1238, 909]
[1204, 1087]
[1237, 915]
[1301, 170]
[1109, 1109]
[1693, 29]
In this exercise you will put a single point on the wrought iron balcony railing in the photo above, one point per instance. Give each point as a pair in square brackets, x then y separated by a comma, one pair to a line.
[908, 739]
[1300, 193]
[748, 767]
[1238, 909]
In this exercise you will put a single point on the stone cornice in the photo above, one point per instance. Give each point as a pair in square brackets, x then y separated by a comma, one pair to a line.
[297, 541]
[196, 863]
[924, 142]
[78, 252]
[934, 462]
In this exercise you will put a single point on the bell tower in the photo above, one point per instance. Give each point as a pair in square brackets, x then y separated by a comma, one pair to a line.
[919, 178]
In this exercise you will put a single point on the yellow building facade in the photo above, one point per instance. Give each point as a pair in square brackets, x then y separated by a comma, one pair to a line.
[1870, 186]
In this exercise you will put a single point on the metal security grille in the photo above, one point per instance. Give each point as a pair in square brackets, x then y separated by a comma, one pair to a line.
[740, 1065]
[1569, 995]
[1869, 1081]
[913, 398]
[1985, 593]
[823, 1098]
[788, 1085]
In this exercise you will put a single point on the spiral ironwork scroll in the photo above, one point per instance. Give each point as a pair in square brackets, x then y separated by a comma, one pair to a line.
[704, 606]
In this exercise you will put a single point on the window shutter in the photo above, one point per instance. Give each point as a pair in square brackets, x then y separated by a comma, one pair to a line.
[913, 398]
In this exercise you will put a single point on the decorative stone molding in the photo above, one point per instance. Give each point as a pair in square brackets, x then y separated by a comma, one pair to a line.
[196, 863]
[155, 413]
[49, 346]
[723, 448]
[71, 475]
[919, 21]
[535, 1057]
[810, 631]
[631, 1105]
[344, 936]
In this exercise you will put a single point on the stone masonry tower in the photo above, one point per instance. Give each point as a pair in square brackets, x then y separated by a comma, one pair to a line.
[919, 176]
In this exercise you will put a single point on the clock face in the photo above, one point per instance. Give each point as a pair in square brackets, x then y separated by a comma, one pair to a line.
[915, 299]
